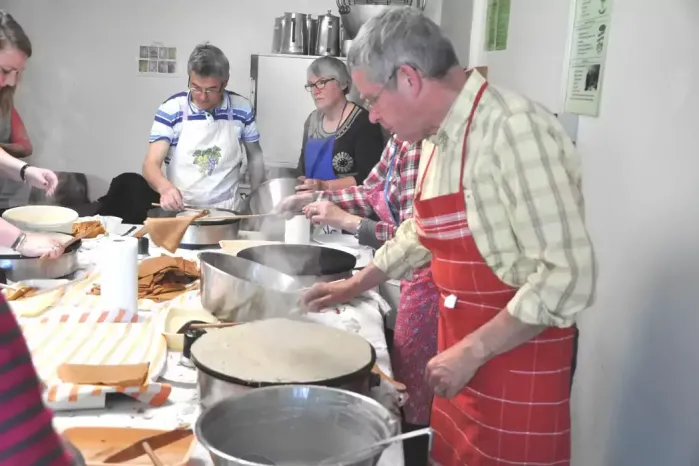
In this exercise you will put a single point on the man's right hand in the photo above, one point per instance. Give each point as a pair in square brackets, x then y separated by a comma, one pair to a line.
[322, 295]
[171, 199]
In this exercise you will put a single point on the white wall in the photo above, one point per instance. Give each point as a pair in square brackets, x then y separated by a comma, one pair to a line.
[636, 395]
[457, 18]
[86, 108]
[637, 402]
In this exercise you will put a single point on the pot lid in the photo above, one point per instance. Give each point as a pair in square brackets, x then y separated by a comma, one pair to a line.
[283, 351]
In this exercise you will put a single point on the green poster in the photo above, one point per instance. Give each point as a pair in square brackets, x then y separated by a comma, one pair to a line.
[497, 25]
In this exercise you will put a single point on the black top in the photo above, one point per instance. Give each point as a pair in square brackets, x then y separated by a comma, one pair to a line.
[358, 144]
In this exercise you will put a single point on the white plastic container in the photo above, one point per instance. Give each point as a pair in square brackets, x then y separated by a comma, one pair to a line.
[297, 230]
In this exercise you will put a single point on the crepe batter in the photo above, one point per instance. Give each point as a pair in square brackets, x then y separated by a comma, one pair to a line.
[282, 351]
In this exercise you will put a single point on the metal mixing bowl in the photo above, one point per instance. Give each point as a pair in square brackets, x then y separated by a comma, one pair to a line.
[238, 290]
[294, 425]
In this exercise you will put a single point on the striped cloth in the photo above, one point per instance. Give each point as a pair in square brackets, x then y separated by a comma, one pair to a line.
[96, 338]
[27, 436]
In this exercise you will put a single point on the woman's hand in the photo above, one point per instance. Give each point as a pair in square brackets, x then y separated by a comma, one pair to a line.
[42, 178]
[327, 213]
[291, 205]
[38, 245]
[308, 184]
[322, 295]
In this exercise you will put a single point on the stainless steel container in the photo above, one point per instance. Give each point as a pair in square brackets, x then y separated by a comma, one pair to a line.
[262, 200]
[294, 425]
[277, 35]
[238, 290]
[18, 267]
[354, 13]
[312, 27]
[202, 233]
[328, 42]
[294, 34]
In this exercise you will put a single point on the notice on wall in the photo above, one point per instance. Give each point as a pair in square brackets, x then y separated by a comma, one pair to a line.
[587, 56]
[157, 59]
[497, 25]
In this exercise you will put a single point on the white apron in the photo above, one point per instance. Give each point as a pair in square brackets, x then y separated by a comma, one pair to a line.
[206, 164]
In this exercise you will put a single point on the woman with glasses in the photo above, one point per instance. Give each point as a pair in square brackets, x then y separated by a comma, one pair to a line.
[340, 145]
[204, 136]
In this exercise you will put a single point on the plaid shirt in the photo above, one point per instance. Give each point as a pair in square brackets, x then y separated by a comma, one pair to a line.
[524, 205]
[356, 199]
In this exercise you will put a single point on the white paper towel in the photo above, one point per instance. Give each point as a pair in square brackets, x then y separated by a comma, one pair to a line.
[119, 274]
[298, 230]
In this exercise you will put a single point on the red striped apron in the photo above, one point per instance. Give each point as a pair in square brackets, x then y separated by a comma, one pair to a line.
[515, 410]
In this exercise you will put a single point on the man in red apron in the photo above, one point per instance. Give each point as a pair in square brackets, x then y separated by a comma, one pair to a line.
[499, 212]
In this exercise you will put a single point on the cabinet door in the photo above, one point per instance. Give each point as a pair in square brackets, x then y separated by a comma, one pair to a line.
[282, 105]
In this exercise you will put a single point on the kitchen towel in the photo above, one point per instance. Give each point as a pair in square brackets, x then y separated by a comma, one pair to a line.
[119, 274]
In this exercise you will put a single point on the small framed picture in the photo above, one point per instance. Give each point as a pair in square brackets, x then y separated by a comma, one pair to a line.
[172, 53]
[152, 66]
[162, 67]
[153, 53]
[143, 52]
[162, 53]
[172, 67]
[143, 66]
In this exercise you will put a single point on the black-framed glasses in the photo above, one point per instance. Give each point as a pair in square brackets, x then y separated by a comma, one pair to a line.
[320, 84]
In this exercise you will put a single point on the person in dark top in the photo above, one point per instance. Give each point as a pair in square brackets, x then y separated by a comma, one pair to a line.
[340, 145]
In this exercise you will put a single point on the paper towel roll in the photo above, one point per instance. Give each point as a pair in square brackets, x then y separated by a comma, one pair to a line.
[119, 274]
[298, 230]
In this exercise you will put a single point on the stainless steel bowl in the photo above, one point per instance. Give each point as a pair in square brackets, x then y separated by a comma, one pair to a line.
[361, 13]
[238, 290]
[294, 425]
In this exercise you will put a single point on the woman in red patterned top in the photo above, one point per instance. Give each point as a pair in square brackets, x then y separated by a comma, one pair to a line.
[27, 436]
[388, 194]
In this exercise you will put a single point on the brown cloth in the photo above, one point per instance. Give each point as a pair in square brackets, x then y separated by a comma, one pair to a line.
[168, 232]
[163, 278]
[93, 228]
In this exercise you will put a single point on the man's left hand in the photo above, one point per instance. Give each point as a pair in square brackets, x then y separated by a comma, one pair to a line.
[451, 370]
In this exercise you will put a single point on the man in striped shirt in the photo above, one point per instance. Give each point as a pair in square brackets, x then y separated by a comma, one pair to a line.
[27, 436]
[205, 137]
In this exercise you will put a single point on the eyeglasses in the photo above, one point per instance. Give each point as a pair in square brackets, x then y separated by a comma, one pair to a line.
[371, 101]
[196, 90]
[320, 84]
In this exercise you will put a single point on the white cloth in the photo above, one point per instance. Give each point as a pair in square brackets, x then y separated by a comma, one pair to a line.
[206, 166]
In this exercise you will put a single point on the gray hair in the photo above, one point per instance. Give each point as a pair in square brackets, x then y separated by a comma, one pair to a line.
[330, 67]
[401, 36]
[209, 61]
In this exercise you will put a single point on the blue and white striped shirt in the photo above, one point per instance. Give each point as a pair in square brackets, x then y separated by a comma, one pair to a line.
[167, 125]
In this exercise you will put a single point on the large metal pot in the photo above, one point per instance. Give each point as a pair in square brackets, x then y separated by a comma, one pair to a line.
[307, 263]
[203, 233]
[217, 380]
[18, 267]
[238, 290]
[354, 13]
[263, 200]
[292, 424]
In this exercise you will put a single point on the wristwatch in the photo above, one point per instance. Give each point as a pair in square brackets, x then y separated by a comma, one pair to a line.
[359, 227]
[19, 241]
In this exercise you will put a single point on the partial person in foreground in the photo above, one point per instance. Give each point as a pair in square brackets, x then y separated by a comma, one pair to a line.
[388, 193]
[340, 145]
[499, 212]
[15, 50]
[28, 437]
[204, 136]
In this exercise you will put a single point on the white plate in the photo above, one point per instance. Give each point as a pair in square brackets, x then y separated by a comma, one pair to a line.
[336, 239]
